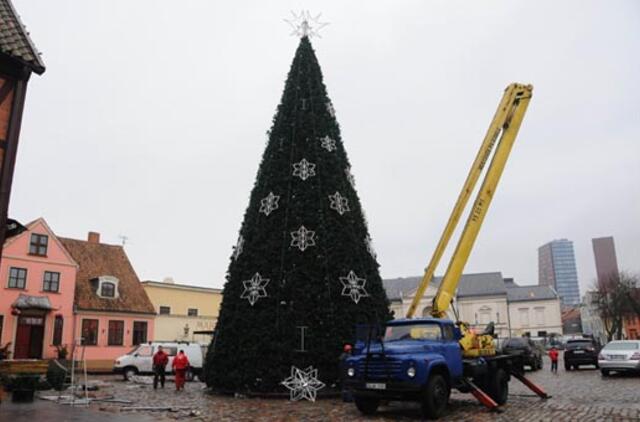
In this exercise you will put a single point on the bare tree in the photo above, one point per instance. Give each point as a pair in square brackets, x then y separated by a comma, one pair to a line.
[616, 297]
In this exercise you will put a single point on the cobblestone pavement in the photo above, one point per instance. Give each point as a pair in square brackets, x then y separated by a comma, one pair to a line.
[582, 395]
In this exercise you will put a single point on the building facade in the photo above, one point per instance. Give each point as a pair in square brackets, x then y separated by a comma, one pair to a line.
[486, 297]
[591, 322]
[112, 311]
[604, 252]
[19, 58]
[184, 312]
[557, 269]
[37, 284]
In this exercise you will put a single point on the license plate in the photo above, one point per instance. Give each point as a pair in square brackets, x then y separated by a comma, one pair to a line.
[577, 352]
[376, 386]
[618, 357]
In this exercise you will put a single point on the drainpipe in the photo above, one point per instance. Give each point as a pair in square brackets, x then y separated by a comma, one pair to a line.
[509, 318]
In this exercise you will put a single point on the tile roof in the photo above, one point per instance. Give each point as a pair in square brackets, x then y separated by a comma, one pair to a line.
[529, 293]
[479, 284]
[96, 260]
[14, 39]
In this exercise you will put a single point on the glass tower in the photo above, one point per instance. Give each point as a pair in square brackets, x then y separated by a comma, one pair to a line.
[557, 268]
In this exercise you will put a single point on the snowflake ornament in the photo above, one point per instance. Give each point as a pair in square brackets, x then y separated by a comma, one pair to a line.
[303, 238]
[328, 143]
[350, 178]
[339, 203]
[237, 250]
[304, 169]
[369, 243]
[254, 288]
[303, 384]
[353, 286]
[269, 203]
[330, 109]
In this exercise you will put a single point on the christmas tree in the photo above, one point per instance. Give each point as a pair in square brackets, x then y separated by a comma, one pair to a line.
[303, 273]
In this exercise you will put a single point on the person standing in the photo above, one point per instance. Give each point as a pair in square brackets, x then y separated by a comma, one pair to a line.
[160, 360]
[180, 366]
[553, 355]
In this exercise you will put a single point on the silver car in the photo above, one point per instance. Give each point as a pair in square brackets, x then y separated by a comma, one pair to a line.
[620, 355]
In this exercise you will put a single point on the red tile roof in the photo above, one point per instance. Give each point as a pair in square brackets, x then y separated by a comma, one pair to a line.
[97, 260]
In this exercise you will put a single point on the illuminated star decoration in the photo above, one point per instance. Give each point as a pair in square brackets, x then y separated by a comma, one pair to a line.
[269, 203]
[304, 169]
[339, 203]
[303, 238]
[350, 178]
[237, 250]
[303, 384]
[328, 143]
[354, 287]
[254, 288]
[305, 25]
[369, 243]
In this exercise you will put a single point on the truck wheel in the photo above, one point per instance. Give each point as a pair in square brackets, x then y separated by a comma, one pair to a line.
[367, 405]
[188, 375]
[436, 397]
[129, 372]
[499, 387]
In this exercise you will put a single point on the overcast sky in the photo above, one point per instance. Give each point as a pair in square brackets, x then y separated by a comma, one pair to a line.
[150, 122]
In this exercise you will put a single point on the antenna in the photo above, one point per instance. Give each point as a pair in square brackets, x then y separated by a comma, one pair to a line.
[123, 239]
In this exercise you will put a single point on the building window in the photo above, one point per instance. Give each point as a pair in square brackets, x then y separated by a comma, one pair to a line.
[38, 245]
[107, 289]
[116, 333]
[539, 316]
[57, 330]
[51, 282]
[139, 332]
[17, 278]
[90, 332]
[524, 316]
[165, 310]
[192, 312]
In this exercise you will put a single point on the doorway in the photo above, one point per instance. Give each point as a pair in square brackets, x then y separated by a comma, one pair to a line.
[29, 337]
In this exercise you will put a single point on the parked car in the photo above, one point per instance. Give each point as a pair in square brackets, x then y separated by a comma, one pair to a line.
[580, 351]
[620, 355]
[140, 359]
[531, 352]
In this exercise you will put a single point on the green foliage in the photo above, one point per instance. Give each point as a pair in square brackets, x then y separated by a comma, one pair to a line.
[56, 376]
[256, 346]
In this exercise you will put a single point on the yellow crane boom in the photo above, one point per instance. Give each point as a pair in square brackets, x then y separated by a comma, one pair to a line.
[503, 129]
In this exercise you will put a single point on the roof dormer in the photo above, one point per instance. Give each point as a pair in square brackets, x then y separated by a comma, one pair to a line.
[106, 287]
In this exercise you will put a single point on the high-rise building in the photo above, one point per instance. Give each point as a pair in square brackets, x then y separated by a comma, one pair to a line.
[604, 252]
[557, 268]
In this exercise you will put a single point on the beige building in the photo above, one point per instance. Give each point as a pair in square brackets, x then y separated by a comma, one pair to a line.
[186, 313]
[486, 297]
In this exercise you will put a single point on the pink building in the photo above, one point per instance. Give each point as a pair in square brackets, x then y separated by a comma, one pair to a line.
[112, 310]
[37, 283]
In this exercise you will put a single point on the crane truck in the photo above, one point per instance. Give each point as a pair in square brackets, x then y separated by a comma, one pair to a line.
[423, 359]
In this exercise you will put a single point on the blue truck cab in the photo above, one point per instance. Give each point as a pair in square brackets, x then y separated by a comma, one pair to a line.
[418, 360]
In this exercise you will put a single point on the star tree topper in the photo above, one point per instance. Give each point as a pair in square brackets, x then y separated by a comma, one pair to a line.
[303, 384]
[254, 288]
[306, 25]
[353, 286]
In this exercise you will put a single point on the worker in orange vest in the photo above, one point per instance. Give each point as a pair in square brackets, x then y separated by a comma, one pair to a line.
[180, 366]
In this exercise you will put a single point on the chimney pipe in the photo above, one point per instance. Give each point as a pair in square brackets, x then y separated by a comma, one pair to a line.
[93, 237]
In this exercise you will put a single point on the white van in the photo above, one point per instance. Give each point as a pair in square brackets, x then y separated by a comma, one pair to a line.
[140, 359]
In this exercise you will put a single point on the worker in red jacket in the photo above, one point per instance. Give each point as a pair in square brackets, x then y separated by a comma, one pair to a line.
[180, 366]
[553, 355]
[160, 360]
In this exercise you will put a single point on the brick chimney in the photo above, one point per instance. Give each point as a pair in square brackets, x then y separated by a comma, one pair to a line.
[93, 237]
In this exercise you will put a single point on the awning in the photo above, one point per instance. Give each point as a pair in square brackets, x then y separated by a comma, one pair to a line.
[32, 302]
